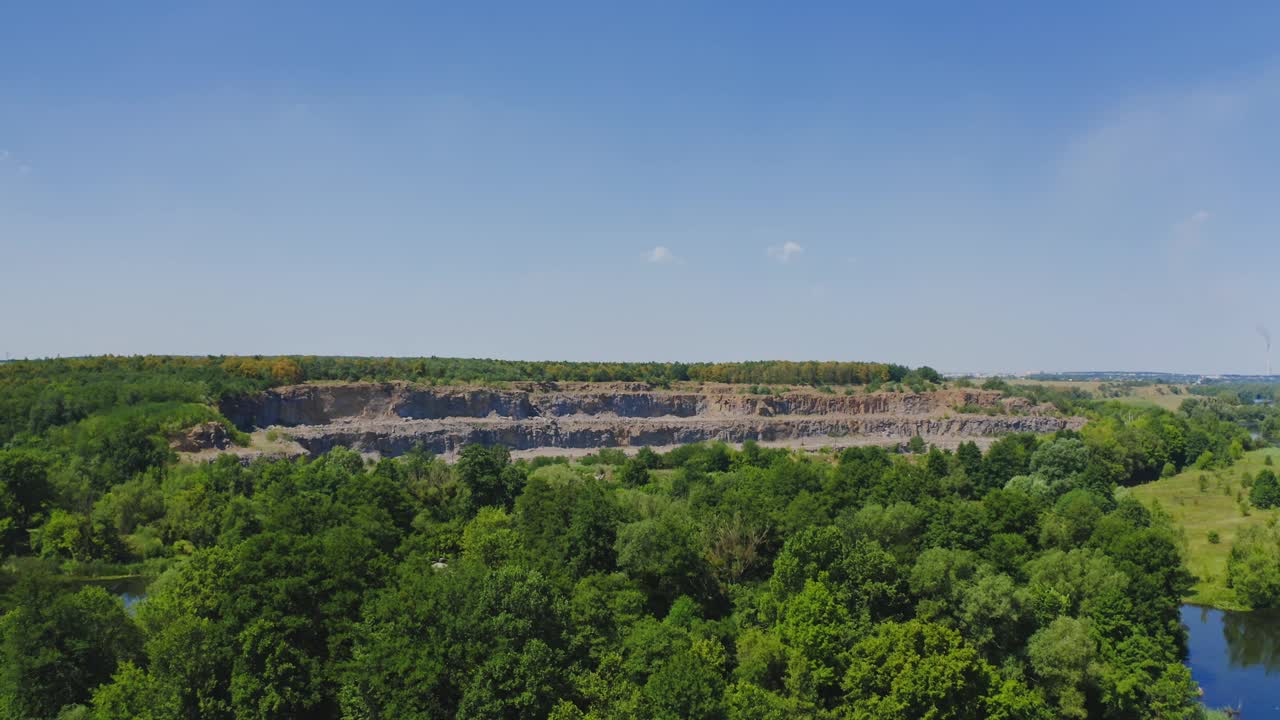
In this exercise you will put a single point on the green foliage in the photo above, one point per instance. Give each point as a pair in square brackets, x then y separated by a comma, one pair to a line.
[56, 647]
[488, 476]
[634, 473]
[1062, 656]
[704, 582]
[25, 492]
[1254, 566]
[916, 669]
[764, 584]
[1266, 490]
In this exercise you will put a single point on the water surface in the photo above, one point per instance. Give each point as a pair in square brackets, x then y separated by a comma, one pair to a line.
[130, 589]
[1235, 656]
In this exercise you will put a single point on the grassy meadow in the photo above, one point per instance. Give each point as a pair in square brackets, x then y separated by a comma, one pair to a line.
[1200, 507]
[1160, 395]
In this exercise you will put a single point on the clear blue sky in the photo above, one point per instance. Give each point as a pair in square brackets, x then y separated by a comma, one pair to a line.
[976, 186]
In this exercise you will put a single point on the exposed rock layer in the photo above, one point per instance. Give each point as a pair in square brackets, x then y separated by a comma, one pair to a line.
[391, 418]
[205, 436]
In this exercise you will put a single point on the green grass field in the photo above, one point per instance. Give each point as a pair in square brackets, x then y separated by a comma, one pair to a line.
[1215, 508]
[1159, 395]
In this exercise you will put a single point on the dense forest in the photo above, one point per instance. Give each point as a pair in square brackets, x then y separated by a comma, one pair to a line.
[705, 582]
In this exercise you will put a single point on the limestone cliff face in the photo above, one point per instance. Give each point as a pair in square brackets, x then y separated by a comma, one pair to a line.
[322, 404]
[391, 418]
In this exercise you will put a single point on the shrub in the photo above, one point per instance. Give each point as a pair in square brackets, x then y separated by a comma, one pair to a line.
[1254, 567]
[1266, 490]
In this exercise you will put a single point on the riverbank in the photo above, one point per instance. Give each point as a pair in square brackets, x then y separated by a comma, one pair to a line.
[1205, 504]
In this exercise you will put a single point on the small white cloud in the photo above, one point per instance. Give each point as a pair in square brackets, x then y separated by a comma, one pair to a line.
[661, 254]
[11, 163]
[785, 251]
[1190, 226]
[1187, 235]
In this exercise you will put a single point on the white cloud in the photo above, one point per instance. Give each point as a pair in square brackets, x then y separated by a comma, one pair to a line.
[1187, 235]
[661, 254]
[11, 164]
[785, 251]
[1154, 153]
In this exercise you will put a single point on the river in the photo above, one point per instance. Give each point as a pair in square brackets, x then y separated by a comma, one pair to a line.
[1235, 656]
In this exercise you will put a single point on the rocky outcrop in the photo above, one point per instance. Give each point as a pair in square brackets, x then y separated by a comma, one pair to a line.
[321, 404]
[205, 436]
[392, 418]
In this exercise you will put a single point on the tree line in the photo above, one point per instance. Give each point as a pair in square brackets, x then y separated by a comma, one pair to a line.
[705, 582]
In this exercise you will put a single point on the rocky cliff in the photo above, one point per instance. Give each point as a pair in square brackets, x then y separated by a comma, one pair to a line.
[391, 418]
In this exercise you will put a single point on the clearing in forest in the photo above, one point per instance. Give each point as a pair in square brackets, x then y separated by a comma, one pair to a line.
[1209, 501]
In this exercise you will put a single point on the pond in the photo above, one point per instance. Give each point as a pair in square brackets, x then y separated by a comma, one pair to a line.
[130, 589]
[1235, 656]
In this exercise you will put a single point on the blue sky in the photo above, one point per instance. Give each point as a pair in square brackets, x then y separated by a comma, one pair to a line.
[976, 186]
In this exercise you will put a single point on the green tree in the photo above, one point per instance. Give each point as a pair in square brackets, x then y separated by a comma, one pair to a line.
[634, 472]
[1266, 490]
[969, 458]
[1063, 657]
[690, 684]
[24, 494]
[916, 670]
[1253, 567]
[664, 555]
[1007, 457]
[818, 627]
[489, 476]
[490, 538]
[649, 459]
[592, 535]
[1060, 462]
[57, 647]
[133, 694]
